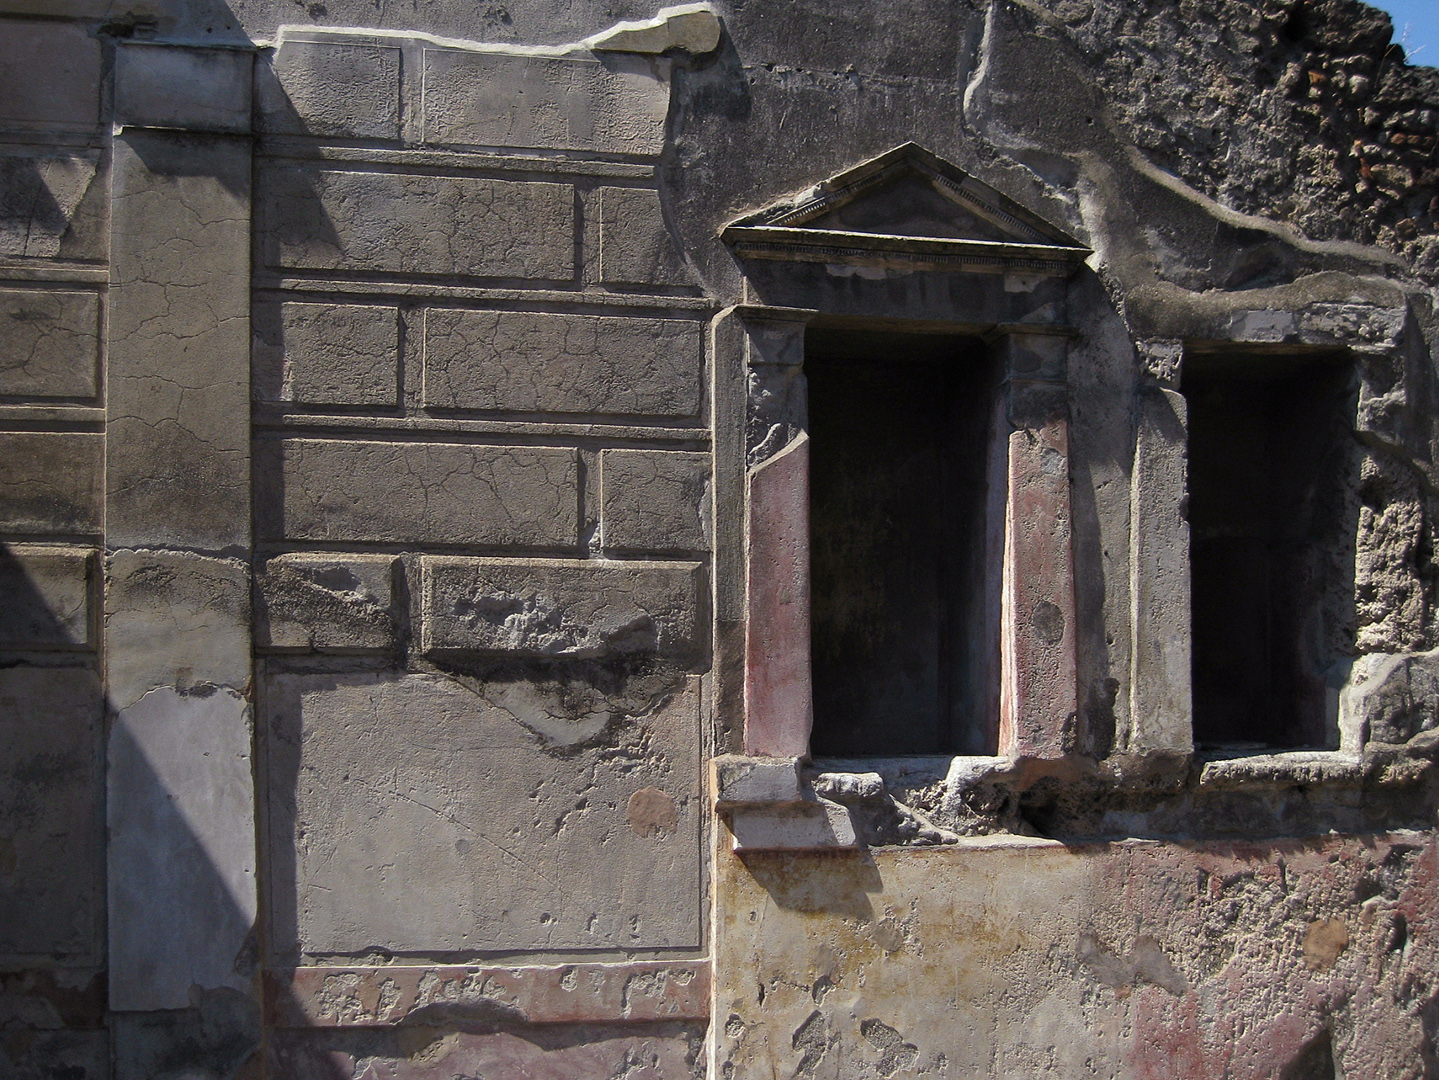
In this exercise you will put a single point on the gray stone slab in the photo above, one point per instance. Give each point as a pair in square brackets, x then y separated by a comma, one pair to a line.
[49, 343]
[433, 493]
[414, 814]
[45, 596]
[50, 482]
[175, 86]
[178, 468]
[560, 607]
[326, 354]
[529, 362]
[417, 224]
[181, 869]
[175, 619]
[610, 105]
[654, 500]
[1388, 698]
[814, 826]
[750, 781]
[217, 1036]
[50, 205]
[349, 91]
[51, 816]
[76, 1055]
[635, 246]
[339, 603]
[49, 74]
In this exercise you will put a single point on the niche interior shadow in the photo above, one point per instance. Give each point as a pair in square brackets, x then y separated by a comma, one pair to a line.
[900, 430]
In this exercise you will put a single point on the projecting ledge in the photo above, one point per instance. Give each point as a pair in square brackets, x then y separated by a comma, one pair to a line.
[770, 806]
[1380, 763]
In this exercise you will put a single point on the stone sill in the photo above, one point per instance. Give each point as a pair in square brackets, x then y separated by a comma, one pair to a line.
[1379, 763]
[790, 804]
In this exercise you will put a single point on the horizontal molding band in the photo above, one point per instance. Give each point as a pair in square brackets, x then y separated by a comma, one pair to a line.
[569, 298]
[52, 273]
[284, 423]
[331, 997]
[281, 148]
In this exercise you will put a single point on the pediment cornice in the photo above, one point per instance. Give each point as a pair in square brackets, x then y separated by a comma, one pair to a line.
[964, 225]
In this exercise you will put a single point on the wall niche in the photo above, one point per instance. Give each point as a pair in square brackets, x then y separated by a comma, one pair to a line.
[904, 560]
[1272, 520]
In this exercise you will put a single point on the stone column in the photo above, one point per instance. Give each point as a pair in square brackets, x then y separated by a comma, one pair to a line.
[181, 801]
[1160, 705]
[1038, 686]
[778, 699]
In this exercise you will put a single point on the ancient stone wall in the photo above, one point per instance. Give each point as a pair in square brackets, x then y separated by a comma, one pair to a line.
[405, 606]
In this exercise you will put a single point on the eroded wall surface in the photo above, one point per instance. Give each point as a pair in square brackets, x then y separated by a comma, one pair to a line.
[1302, 958]
[378, 396]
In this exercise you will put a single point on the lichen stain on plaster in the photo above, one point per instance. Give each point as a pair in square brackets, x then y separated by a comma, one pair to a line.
[651, 811]
[1145, 963]
[1323, 942]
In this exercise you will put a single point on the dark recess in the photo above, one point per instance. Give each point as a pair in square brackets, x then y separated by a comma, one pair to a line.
[903, 643]
[1272, 548]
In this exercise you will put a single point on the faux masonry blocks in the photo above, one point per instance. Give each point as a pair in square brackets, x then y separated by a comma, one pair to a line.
[456, 360]
[530, 362]
[423, 492]
[355, 374]
[414, 223]
[389, 492]
[576, 609]
[561, 609]
[49, 343]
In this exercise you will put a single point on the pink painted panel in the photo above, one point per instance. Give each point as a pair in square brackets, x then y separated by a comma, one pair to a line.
[1039, 693]
[778, 704]
[569, 993]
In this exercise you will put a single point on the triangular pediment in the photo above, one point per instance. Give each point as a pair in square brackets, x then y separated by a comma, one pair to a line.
[906, 208]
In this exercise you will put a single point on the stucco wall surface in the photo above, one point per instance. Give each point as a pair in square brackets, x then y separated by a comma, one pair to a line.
[1305, 958]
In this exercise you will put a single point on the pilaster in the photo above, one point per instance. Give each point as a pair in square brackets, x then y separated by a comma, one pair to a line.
[1038, 687]
[1160, 705]
[181, 860]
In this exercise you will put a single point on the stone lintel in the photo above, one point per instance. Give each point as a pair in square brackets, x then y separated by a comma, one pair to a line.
[902, 252]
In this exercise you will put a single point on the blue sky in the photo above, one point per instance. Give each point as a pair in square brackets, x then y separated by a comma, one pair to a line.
[1422, 19]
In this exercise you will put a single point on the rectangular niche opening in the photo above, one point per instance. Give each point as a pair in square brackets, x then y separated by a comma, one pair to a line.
[1272, 517]
[904, 550]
